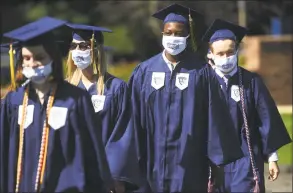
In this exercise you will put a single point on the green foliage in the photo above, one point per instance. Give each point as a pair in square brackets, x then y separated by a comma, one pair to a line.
[119, 40]
[63, 10]
[37, 11]
[122, 71]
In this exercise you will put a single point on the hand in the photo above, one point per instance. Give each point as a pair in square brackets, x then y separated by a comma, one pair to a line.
[119, 187]
[273, 171]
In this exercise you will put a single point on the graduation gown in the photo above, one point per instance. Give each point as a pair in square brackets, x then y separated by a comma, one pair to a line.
[180, 125]
[117, 134]
[267, 130]
[76, 156]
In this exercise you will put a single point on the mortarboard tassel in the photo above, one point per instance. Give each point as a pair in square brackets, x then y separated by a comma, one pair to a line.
[96, 66]
[93, 53]
[101, 69]
[12, 75]
[192, 35]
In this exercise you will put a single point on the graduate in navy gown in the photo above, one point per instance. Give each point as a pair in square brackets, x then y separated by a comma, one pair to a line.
[179, 126]
[87, 68]
[50, 139]
[253, 111]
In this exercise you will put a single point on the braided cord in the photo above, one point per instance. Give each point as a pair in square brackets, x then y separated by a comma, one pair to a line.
[21, 139]
[44, 143]
[246, 126]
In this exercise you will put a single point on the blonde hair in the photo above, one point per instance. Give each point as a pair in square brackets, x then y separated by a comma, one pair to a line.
[74, 74]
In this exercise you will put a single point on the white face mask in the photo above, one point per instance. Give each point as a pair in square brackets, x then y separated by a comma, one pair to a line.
[174, 45]
[39, 74]
[225, 65]
[82, 59]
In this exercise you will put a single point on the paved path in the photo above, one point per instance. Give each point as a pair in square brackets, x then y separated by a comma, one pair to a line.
[282, 184]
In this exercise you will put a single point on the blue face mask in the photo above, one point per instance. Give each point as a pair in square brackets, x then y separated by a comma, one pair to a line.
[39, 74]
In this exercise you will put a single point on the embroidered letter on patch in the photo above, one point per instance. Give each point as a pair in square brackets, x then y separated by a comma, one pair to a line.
[182, 80]
[158, 80]
[235, 93]
[98, 102]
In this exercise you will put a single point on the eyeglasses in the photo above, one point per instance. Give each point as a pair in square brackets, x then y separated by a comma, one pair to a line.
[81, 45]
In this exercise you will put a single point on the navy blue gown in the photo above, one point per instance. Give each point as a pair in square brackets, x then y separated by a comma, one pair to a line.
[117, 134]
[180, 124]
[267, 130]
[76, 157]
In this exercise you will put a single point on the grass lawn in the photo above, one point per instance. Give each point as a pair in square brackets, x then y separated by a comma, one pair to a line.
[123, 70]
[285, 153]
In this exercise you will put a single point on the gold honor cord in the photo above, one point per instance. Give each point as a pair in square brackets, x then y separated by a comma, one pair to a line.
[44, 143]
[21, 139]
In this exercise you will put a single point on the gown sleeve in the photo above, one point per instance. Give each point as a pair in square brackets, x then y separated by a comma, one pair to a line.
[93, 143]
[137, 119]
[271, 126]
[120, 148]
[223, 143]
[4, 142]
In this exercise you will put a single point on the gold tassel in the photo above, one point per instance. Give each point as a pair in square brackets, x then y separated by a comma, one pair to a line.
[101, 69]
[193, 40]
[93, 53]
[98, 66]
[12, 74]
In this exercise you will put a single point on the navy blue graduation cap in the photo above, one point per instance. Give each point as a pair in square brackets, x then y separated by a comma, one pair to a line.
[181, 14]
[37, 32]
[89, 33]
[34, 33]
[85, 32]
[221, 29]
[176, 13]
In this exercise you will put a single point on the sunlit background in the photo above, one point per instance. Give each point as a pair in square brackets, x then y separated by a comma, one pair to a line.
[136, 36]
